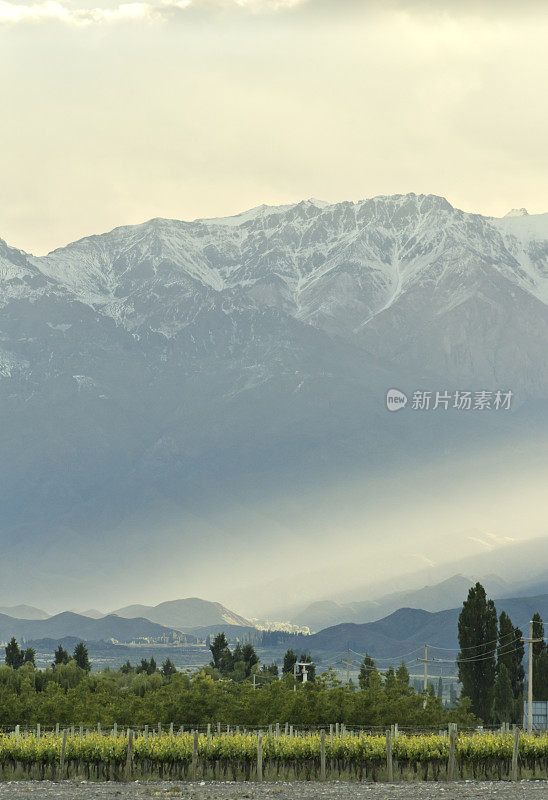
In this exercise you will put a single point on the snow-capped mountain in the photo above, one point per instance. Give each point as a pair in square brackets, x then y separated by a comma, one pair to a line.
[170, 357]
[409, 279]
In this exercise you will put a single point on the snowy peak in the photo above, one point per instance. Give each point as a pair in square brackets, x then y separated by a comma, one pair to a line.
[517, 212]
[369, 272]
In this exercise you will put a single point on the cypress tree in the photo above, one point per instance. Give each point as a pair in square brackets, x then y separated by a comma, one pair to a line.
[219, 646]
[81, 657]
[402, 676]
[61, 656]
[14, 657]
[290, 659]
[366, 668]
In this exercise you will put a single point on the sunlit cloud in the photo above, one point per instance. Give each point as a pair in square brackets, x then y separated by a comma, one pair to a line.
[52, 10]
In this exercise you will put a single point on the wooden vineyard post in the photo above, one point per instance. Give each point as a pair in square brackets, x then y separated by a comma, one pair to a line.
[277, 730]
[389, 764]
[452, 745]
[515, 753]
[129, 757]
[62, 757]
[260, 756]
[322, 755]
[195, 756]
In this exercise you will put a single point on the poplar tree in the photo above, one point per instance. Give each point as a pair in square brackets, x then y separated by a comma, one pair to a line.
[540, 661]
[510, 652]
[478, 643]
[503, 702]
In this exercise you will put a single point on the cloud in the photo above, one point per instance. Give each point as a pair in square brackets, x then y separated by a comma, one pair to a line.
[53, 10]
[13, 12]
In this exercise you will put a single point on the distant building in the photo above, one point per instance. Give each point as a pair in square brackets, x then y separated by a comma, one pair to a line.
[540, 714]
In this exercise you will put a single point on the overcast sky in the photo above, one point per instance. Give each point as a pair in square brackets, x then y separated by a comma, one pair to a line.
[117, 112]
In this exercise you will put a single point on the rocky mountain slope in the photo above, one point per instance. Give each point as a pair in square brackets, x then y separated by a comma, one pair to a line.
[179, 366]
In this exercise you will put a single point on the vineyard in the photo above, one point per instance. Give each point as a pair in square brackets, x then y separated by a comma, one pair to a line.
[271, 755]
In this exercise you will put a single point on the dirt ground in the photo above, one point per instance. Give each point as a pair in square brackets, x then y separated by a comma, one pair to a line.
[465, 790]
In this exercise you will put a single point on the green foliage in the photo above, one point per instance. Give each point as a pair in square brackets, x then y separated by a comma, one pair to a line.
[81, 657]
[503, 703]
[14, 657]
[240, 750]
[366, 668]
[61, 656]
[148, 667]
[510, 652]
[290, 659]
[538, 633]
[477, 628]
[540, 661]
[70, 695]
[218, 650]
[540, 677]
[168, 668]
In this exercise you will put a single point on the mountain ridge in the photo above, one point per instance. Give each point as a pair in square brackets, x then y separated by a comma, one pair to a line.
[408, 629]
[185, 614]
[156, 375]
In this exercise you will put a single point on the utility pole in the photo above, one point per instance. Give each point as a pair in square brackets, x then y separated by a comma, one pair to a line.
[531, 642]
[426, 662]
[348, 666]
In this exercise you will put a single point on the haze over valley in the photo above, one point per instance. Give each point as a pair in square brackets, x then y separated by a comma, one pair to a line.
[203, 403]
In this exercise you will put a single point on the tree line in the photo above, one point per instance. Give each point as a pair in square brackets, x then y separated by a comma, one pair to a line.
[490, 660]
[67, 692]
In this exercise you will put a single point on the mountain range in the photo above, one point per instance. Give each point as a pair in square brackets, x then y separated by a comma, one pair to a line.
[68, 624]
[184, 615]
[406, 631]
[448, 593]
[156, 375]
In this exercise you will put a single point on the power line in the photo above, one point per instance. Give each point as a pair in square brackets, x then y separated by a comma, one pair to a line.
[472, 646]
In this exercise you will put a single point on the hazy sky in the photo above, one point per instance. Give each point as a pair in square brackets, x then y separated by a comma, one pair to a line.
[119, 112]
